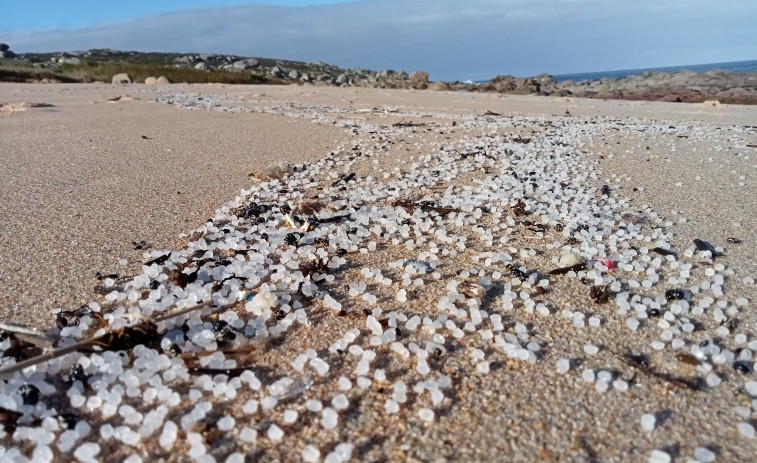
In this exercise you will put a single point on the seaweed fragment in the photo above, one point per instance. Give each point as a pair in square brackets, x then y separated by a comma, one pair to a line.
[343, 178]
[641, 362]
[158, 260]
[675, 294]
[403, 124]
[565, 270]
[705, 246]
[664, 252]
[410, 206]
[600, 294]
[688, 359]
[9, 418]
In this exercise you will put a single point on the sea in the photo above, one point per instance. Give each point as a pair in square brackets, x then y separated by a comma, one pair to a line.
[738, 66]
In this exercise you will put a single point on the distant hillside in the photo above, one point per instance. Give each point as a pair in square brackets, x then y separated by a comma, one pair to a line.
[102, 64]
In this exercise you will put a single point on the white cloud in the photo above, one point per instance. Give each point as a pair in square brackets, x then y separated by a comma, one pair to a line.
[450, 39]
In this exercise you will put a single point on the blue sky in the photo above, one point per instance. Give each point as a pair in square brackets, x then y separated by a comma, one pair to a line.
[451, 39]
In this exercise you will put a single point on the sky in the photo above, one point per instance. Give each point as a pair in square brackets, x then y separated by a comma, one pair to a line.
[450, 39]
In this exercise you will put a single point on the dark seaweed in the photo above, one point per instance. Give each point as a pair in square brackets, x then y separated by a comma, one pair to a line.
[675, 293]
[564, 270]
[664, 252]
[705, 246]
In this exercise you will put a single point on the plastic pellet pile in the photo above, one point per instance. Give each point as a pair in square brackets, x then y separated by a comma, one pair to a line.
[443, 287]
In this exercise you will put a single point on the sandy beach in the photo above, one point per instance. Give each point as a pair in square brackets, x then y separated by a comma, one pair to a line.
[457, 206]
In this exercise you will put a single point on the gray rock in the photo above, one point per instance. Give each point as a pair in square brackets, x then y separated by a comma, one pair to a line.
[122, 78]
[276, 71]
[305, 78]
[202, 66]
[69, 60]
[294, 74]
[163, 80]
[342, 79]
[243, 64]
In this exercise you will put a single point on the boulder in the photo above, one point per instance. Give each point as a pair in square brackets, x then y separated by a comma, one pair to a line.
[151, 81]
[243, 64]
[342, 79]
[276, 71]
[163, 80]
[546, 83]
[122, 78]
[5, 51]
[439, 86]
[418, 80]
[391, 79]
[294, 74]
[305, 78]
[202, 66]
[69, 60]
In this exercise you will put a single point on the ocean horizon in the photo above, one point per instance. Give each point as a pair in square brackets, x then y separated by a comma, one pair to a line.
[736, 66]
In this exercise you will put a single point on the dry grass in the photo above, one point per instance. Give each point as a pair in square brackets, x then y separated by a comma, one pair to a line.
[94, 71]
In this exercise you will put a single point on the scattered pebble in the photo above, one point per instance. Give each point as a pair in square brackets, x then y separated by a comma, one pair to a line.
[659, 456]
[648, 422]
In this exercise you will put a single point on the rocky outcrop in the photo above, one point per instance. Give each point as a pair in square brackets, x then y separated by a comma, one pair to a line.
[122, 78]
[417, 80]
[679, 86]
[510, 84]
[5, 51]
[388, 79]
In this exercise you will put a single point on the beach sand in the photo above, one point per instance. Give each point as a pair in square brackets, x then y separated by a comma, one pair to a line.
[80, 185]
